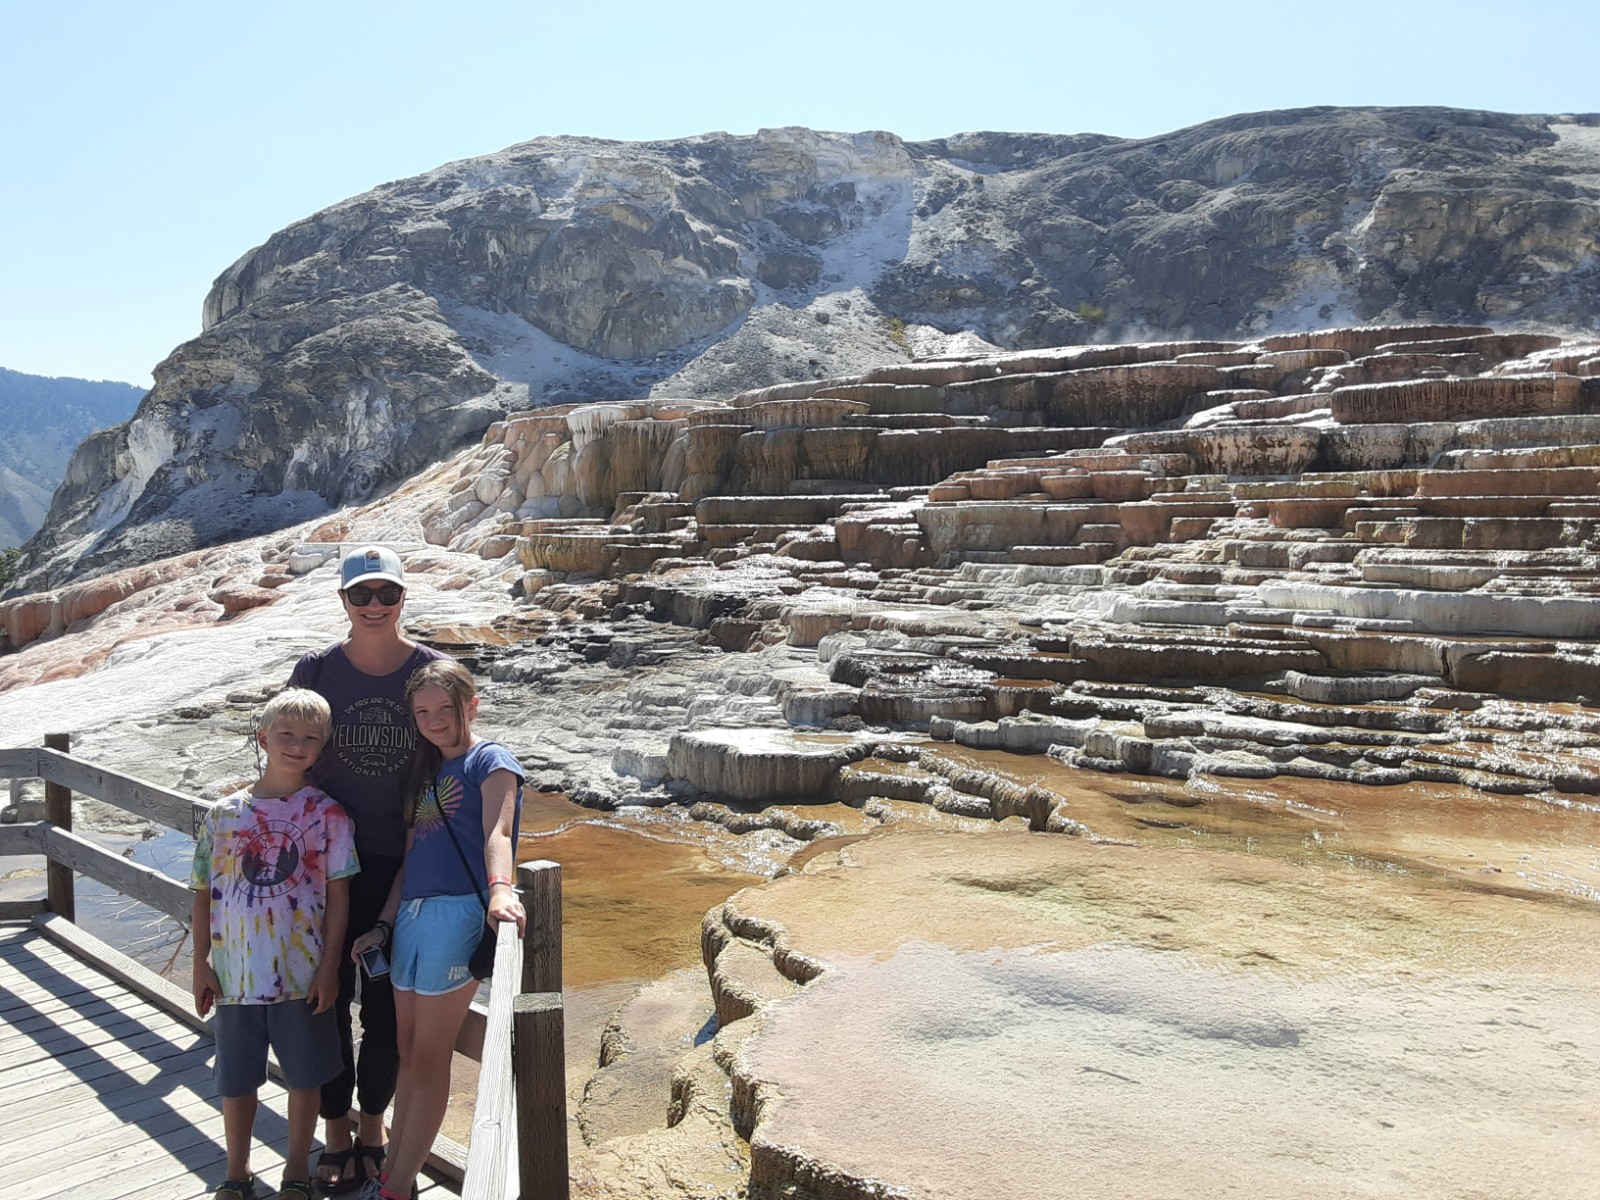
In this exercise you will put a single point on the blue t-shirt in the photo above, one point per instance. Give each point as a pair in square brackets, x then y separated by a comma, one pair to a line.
[434, 868]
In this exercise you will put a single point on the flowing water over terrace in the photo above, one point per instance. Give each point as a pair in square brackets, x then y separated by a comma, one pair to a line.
[1548, 844]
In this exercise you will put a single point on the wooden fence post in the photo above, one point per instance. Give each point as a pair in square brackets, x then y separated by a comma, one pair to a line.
[58, 811]
[538, 1033]
[541, 943]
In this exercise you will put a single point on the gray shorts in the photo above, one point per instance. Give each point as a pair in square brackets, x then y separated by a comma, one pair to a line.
[307, 1046]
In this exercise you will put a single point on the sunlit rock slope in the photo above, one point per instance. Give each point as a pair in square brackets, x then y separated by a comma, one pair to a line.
[358, 345]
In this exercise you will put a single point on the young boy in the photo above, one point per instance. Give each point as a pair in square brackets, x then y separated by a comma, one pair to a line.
[271, 876]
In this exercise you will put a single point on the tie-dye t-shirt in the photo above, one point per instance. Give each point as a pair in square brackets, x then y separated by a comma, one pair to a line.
[433, 868]
[267, 861]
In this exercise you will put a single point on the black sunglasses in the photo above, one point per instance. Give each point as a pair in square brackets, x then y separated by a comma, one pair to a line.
[361, 596]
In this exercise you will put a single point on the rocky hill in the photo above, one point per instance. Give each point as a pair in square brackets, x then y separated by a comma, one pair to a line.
[362, 343]
[42, 421]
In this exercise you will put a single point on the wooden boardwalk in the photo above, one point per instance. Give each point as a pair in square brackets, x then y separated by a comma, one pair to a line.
[103, 1093]
[105, 1071]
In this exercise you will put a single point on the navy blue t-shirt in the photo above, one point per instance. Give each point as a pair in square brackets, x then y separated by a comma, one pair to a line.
[365, 762]
[434, 868]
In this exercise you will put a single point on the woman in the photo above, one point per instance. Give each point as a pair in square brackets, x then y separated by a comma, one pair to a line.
[364, 767]
[463, 813]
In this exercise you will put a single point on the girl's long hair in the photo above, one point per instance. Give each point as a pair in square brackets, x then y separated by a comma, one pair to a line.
[426, 759]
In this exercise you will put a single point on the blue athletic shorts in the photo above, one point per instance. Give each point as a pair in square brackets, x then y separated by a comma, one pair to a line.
[433, 942]
[306, 1043]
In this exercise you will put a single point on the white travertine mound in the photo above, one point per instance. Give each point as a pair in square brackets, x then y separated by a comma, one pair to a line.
[765, 765]
[1063, 1019]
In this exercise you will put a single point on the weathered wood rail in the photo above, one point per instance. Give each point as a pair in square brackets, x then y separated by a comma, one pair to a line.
[518, 1146]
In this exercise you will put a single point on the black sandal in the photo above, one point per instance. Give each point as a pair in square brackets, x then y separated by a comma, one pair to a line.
[341, 1160]
[296, 1189]
[370, 1154]
[236, 1189]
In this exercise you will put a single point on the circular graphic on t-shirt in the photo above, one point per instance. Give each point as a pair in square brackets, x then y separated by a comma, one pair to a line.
[374, 737]
[438, 804]
[269, 858]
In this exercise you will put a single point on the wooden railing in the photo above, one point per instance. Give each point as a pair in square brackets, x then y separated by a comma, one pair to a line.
[519, 1129]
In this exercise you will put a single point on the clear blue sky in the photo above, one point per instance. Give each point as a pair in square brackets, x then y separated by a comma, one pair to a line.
[145, 147]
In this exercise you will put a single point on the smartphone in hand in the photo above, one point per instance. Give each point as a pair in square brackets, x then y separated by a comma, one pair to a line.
[374, 962]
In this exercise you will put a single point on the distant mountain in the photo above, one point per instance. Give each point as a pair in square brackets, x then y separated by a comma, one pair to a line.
[42, 420]
[360, 344]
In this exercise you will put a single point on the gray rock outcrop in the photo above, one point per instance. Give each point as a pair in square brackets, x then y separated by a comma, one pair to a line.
[371, 338]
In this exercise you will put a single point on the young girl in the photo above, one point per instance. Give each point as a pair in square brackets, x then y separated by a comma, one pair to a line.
[462, 812]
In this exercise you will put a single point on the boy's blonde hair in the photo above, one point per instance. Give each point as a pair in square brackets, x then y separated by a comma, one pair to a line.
[297, 704]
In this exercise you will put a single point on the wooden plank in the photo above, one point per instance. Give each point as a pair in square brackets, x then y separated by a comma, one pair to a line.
[21, 763]
[121, 1092]
[44, 986]
[87, 1005]
[492, 1150]
[108, 1075]
[92, 1062]
[154, 1140]
[47, 1034]
[17, 999]
[23, 992]
[89, 1010]
[148, 1161]
[25, 837]
[58, 812]
[185, 1170]
[174, 809]
[105, 1071]
[22, 910]
[48, 1039]
[197, 1174]
[164, 995]
[40, 983]
[539, 1046]
[137, 1160]
[144, 884]
[73, 1140]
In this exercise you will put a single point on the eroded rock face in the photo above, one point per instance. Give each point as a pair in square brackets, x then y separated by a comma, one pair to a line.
[249, 429]
[371, 338]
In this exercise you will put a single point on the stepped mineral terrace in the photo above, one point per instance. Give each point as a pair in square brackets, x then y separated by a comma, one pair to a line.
[1010, 639]
[1363, 554]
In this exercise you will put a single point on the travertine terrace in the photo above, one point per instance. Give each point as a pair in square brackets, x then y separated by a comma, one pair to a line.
[1367, 554]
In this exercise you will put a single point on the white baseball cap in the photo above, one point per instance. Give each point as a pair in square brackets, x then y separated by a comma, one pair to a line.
[369, 563]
